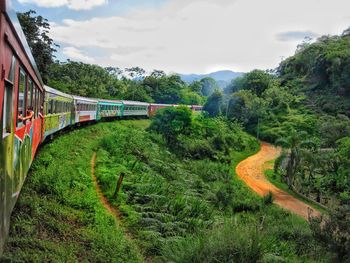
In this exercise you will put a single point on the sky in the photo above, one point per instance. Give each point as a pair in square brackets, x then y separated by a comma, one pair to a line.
[187, 36]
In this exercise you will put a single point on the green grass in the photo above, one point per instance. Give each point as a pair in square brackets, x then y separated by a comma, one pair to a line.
[59, 217]
[278, 182]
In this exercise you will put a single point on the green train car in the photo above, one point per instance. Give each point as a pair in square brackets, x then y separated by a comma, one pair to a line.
[109, 109]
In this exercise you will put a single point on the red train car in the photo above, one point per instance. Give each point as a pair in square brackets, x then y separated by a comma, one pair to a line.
[21, 122]
[153, 107]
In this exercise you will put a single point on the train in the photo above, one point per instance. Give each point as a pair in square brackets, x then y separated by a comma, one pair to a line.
[31, 112]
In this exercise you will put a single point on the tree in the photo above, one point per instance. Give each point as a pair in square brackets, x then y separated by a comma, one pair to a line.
[163, 88]
[246, 107]
[135, 73]
[114, 71]
[213, 104]
[36, 30]
[196, 86]
[208, 86]
[334, 232]
[256, 81]
[296, 142]
[171, 122]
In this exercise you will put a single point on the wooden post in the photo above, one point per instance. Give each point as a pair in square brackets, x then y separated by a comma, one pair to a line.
[119, 184]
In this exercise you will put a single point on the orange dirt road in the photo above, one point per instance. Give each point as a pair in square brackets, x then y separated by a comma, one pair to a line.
[251, 171]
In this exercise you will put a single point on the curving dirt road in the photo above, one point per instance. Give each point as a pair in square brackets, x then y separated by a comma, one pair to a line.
[251, 171]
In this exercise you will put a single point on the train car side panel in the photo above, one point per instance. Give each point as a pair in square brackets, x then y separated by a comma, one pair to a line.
[20, 89]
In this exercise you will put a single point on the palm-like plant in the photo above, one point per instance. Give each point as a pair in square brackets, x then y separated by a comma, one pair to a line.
[297, 144]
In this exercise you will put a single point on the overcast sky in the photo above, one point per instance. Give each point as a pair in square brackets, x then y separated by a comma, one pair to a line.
[187, 36]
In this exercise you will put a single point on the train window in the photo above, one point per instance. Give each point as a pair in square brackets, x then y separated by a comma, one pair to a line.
[35, 101]
[49, 107]
[11, 76]
[20, 99]
[7, 108]
[29, 94]
[40, 110]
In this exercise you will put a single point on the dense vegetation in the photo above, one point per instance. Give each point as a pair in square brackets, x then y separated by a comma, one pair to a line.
[95, 81]
[304, 106]
[182, 201]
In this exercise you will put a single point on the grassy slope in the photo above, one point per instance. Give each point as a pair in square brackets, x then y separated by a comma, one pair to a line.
[194, 211]
[58, 217]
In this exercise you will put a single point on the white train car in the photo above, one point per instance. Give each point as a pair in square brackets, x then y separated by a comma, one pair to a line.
[85, 109]
[135, 108]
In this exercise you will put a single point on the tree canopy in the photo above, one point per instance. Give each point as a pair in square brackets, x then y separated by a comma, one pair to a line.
[36, 29]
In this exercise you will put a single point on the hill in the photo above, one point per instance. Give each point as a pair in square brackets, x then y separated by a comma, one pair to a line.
[222, 77]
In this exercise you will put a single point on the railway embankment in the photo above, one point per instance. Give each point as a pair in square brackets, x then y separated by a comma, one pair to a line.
[59, 216]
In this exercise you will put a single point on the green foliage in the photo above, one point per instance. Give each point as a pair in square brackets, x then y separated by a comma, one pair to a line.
[94, 81]
[36, 30]
[334, 232]
[163, 88]
[207, 86]
[188, 209]
[257, 81]
[309, 93]
[213, 104]
[268, 199]
[85, 80]
[321, 70]
[171, 122]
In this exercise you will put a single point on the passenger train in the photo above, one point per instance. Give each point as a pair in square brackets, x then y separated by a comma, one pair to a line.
[30, 112]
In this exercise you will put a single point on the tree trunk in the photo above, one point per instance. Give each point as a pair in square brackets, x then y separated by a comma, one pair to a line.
[119, 184]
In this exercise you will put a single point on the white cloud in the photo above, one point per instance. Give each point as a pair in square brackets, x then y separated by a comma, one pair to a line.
[76, 54]
[71, 4]
[199, 36]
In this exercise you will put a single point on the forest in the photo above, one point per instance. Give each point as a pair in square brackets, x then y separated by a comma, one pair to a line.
[180, 200]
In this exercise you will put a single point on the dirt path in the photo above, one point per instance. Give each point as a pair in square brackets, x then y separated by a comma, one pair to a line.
[251, 171]
[103, 199]
[112, 210]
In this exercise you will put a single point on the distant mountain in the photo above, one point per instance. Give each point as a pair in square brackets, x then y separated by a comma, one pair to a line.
[222, 77]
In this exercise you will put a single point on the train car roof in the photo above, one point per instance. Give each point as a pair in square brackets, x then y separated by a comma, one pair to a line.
[6, 7]
[85, 99]
[110, 101]
[130, 102]
[57, 92]
[160, 104]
